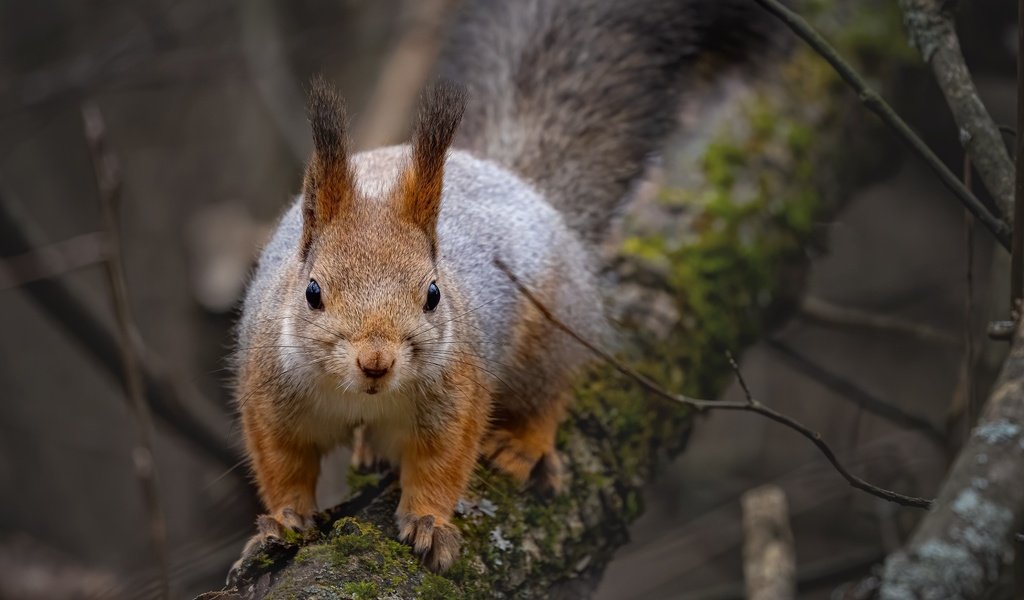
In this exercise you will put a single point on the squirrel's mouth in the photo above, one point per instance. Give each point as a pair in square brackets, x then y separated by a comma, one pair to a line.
[371, 390]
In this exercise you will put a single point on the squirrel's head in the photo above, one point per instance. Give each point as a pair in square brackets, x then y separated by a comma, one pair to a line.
[371, 297]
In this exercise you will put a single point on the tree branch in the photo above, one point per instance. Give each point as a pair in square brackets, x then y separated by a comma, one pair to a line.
[18, 236]
[959, 549]
[858, 395]
[751, 404]
[53, 260]
[828, 313]
[109, 186]
[874, 102]
[769, 562]
[931, 29]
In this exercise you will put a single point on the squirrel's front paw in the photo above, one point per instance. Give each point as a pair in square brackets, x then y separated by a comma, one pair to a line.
[433, 538]
[268, 527]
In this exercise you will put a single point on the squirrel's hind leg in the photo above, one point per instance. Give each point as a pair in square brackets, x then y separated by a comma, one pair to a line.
[364, 458]
[523, 445]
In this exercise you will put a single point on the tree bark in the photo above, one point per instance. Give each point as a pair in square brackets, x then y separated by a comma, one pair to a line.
[769, 562]
[931, 28]
[962, 547]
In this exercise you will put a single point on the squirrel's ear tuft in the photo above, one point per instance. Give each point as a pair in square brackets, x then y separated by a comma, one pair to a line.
[328, 188]
[441, 108]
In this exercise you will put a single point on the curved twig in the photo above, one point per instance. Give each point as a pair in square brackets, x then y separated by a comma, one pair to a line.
[750, 405]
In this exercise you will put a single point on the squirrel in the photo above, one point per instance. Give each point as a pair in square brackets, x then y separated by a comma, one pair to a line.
[380, 310]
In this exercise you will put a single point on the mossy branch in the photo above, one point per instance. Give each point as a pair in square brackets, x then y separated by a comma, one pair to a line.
[724, 257]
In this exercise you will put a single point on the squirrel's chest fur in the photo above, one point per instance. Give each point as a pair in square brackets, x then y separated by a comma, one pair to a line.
[487, 214]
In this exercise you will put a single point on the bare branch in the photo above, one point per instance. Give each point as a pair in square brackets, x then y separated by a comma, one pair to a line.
[963, 408]
[19, 235]
[826, 312]
[858, 395]
[750, 405]
[108, 182]
[931, 28]
[53, 260]
[959, 547]
[874, 102]
[272, 75]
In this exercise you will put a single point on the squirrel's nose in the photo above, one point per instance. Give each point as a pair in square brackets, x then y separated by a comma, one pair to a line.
[376, 365]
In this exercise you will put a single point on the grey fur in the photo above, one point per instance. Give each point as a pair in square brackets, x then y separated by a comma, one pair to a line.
[487, 213]
[574, 95]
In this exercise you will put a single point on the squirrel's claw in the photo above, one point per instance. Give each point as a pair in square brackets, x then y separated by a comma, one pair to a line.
[434, 539]
[268, 527]
[548, 475]
[525, 461]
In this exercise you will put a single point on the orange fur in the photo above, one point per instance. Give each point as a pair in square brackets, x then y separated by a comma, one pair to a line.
[372, 259]
[521, 442]
[286, 469]
[518, 444]
[437, 462]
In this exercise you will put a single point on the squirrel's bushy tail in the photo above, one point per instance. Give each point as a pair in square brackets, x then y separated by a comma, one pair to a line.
[573, 95]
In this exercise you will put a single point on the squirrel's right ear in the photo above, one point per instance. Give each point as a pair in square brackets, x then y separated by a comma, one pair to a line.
[441, 108]
[328, 187]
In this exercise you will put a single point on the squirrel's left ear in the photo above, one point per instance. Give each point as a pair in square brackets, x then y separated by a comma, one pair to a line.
[328, 187]
[441, 108]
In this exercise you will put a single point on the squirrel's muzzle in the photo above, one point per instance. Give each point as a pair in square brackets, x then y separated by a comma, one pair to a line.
[375, 362]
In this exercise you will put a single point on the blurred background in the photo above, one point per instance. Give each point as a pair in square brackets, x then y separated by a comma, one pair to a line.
[201, 104]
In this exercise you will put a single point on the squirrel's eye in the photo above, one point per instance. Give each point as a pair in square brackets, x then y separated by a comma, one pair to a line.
[433, 297]
[313, 295]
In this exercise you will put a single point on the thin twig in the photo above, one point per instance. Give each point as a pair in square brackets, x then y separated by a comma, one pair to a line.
[874, 102]
[963, 409]
[968, 373]
[750, 405]
[108, 181]
[735, 366]
[53, 260]
[861, 397]
[843, 316]
[272, 75]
